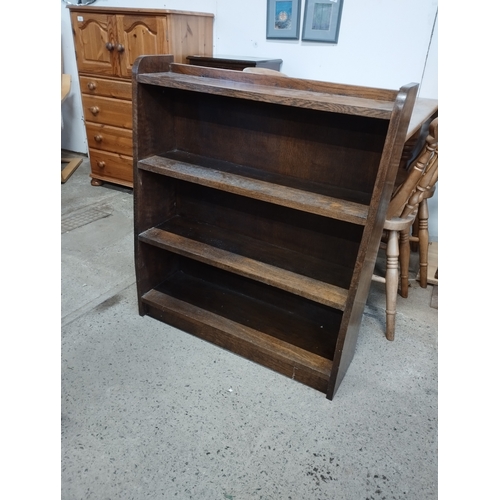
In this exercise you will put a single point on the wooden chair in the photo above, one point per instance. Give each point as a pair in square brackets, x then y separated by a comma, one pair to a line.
[420, 228]
[72, 163]
[401, 215]
[264, 71]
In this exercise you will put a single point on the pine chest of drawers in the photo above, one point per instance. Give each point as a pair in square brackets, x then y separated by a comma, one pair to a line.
[107, 42]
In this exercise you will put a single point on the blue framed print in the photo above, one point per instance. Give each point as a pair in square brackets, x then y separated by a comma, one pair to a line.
[322, 20]
[283, 19]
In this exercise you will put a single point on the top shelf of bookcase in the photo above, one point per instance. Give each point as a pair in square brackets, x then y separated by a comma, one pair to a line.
[321, 96]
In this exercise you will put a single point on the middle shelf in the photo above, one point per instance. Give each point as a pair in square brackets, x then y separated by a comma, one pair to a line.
[245, 181]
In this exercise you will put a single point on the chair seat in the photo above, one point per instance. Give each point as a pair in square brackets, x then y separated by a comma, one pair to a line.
[65, 86]
[400, 223]
[263, 71]
[72, 163]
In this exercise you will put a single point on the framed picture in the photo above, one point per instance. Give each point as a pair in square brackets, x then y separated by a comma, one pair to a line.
[283, 19]
[322, 20]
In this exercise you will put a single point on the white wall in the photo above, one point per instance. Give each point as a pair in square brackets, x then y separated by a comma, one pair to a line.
[382, 43]
[429, 88]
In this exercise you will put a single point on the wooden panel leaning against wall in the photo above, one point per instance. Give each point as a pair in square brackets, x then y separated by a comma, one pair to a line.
[107, 42]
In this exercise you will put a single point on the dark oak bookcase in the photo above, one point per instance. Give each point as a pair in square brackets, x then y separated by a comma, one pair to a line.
[259, 203]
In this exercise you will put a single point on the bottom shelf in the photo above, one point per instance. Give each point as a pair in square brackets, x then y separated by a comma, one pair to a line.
[292, 341]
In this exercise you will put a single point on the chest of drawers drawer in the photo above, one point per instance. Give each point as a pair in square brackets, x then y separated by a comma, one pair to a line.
[108, 138]
[107, 166]
[107, 111]
[106, 87]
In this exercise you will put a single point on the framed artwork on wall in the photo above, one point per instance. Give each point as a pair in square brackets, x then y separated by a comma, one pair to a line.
[283, 19]
[322, 20]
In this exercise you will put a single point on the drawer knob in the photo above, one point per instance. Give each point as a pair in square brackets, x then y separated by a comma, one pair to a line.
[110, 46]
[98, 138]
[91, 86]
[101, 164]
[120, 47]
[94, 110]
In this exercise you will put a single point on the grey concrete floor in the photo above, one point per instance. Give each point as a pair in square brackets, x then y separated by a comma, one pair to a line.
[149, 411]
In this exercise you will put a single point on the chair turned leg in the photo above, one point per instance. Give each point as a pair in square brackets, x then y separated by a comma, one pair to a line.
[423, 241]
[404, 260]
[391, 284]
[414, 232]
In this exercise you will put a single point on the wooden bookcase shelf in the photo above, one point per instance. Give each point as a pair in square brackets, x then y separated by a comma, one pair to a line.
[239, 180]
[259, 207]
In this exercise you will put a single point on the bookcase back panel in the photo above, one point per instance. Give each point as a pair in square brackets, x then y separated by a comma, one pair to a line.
[328, 148]
[319, 247]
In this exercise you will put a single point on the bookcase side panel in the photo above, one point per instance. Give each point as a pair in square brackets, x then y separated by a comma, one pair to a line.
[362, 276]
